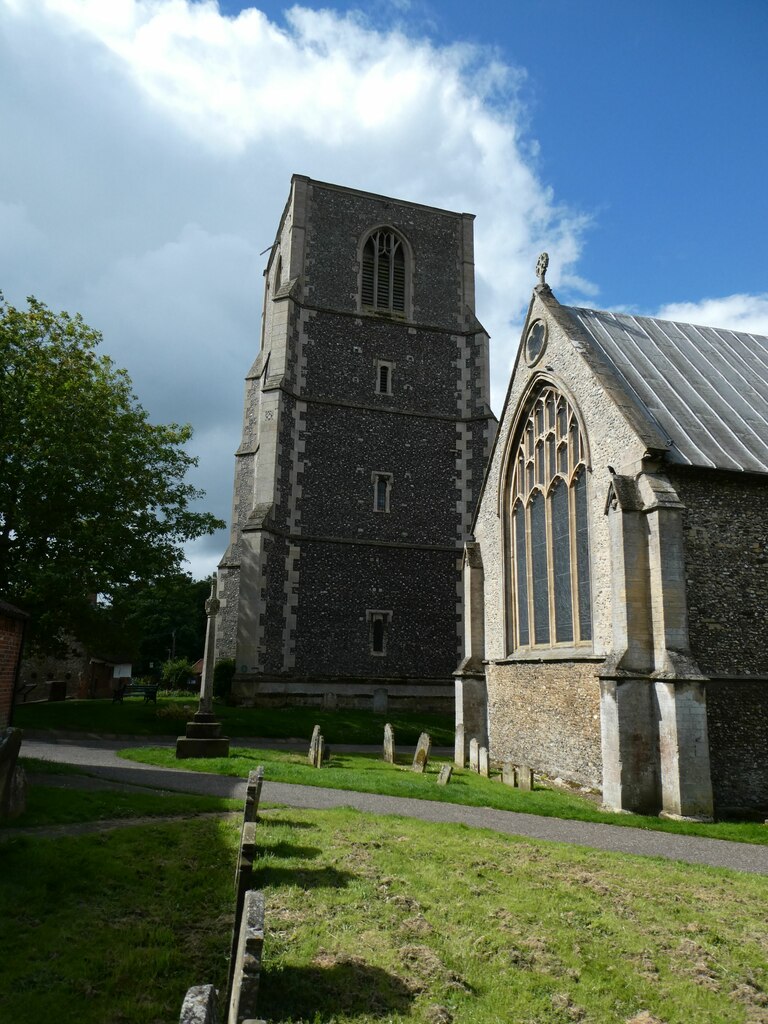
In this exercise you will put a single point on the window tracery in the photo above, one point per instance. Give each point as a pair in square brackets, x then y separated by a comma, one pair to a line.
[383, 282]
[548, 542]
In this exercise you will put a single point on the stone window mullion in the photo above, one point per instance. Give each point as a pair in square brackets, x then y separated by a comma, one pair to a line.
[546, 519]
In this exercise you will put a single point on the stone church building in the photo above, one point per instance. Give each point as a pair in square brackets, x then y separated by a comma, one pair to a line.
[617, 582]
[366, 431]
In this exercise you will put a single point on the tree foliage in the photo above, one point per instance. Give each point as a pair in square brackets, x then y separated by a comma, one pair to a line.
[92, 495]
[156, 621]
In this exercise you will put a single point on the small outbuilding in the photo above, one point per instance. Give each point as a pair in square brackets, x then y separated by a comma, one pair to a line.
[615, 590]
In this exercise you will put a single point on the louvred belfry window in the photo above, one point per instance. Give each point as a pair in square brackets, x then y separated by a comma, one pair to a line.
[383, 280]
[548, 550]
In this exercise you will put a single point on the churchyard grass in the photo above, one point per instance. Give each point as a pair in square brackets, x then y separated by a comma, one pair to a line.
[167, 718]
[367, 774]
[113, 927]
[376, 920]
[45, 806]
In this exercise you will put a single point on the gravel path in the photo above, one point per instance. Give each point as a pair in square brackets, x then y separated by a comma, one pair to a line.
[98, 757]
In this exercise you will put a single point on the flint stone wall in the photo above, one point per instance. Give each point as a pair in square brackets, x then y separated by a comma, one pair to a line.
[737, 725]
[547, 715]
[725, 530]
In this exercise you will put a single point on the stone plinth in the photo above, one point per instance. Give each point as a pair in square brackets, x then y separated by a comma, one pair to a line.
[203, 738]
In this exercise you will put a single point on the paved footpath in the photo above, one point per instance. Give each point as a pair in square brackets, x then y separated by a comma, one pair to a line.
[98, 758]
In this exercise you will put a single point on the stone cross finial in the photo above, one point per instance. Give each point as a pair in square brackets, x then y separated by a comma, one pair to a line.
[541, 267]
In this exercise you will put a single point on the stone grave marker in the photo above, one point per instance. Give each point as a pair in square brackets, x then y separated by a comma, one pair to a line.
[323, 752]
[200, 1006]
[474, 755]
[508, 774]
[421, 757]
[380, 701]
[525, 778]
[445, 775]
[459, 748]
[389, 743]
[313, 745]
[247, 971]
[482, 765]
[253, 794]
[12, 777]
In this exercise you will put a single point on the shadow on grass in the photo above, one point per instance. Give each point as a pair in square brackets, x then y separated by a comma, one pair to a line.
[321, 993]
[288, 850]
[305, 878]
[264, 819]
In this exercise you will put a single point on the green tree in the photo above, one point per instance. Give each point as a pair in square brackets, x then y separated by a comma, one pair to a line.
[158, 620]
[92, 495]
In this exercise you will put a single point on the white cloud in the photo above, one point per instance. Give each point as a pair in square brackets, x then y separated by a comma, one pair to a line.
[745, 313]
[152, 147]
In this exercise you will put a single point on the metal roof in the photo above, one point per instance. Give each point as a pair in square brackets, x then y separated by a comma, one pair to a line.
[705, 388]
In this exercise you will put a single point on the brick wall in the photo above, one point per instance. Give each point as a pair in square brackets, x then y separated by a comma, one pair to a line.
[11, 639]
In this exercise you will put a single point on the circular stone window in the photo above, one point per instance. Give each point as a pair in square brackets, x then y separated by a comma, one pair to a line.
[535, 342]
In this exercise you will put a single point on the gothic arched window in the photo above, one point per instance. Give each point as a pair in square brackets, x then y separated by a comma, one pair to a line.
[383, 283]
[548, 550]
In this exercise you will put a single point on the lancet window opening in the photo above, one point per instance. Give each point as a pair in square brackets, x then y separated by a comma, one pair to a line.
[383, 284]
[548, 537]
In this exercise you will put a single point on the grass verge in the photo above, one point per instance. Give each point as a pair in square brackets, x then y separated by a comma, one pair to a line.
[167, 718]
[377, 921]
[365, 774]
[45, 806]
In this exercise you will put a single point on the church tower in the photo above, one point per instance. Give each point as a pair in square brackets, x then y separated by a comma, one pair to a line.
[366, 431]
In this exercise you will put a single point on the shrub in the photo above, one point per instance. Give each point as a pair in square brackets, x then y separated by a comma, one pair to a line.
[176, 674]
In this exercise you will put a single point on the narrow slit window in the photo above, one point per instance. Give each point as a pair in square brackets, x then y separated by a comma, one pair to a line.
[377, 639]
[382, 488]
[384, 377]
[378, 631]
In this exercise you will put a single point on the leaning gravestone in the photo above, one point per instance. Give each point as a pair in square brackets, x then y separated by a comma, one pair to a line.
[482, 765]
[389, 743]
[459, 748]
[445, 775]
[12, 788]
[313, 746]
[525, 778]
[508, 774]
[421, 757]
[474, 755]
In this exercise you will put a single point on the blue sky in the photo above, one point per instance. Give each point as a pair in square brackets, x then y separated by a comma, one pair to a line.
[650, 116]
[148, 148]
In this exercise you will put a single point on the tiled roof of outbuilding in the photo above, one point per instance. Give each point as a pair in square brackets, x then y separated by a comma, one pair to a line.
[706, 389]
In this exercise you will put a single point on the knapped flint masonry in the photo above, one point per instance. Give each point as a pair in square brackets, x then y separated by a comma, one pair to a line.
[616, 584]
[367, 426]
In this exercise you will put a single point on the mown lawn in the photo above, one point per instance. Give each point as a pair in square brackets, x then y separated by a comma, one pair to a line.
[167, 718]
[50, 805]
[366, 774]
[377, 921]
